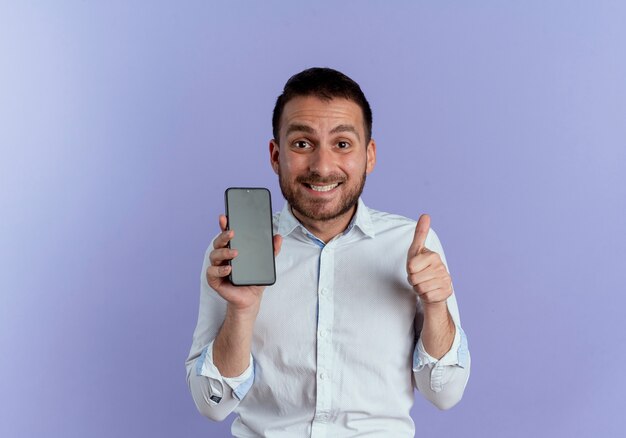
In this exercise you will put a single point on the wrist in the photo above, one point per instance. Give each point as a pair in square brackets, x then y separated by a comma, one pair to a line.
[246, 315]
[438, 308]
[436, 314]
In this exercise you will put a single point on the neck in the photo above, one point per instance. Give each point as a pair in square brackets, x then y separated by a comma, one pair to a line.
[326, 230]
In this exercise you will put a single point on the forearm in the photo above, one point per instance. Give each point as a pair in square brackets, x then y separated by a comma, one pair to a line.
[217, 373]
[215, 391]
[441, 367]
[232, 347]
[438, 329]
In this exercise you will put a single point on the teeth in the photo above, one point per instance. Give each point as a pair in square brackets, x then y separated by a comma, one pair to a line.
[324, 188]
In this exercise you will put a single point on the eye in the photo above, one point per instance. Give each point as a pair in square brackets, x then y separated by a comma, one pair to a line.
[343, 145]
[301, 144]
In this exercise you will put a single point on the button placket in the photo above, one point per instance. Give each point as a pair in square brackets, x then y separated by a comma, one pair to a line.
[324, 335]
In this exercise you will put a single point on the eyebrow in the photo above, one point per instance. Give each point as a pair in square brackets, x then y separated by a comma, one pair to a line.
[307, 129]
[345, 128]
[300, 128]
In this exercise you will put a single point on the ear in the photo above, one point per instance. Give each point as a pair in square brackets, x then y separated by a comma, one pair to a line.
[371, 156]
[274, 155]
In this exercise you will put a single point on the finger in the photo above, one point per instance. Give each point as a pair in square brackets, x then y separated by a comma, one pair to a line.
[223, 238]
[424, 260]
[223, 222]
[430, 285]
[278, 243]
[419, 238]
[217, 271]
[222, 255]
[435, 297]
[422, 277]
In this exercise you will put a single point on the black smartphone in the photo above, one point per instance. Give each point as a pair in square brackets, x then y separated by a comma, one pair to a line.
[249, 214]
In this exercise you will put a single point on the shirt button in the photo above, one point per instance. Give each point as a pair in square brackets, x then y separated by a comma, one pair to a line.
[323, 417]
[323, 333]
[324, 292]
[322, 376]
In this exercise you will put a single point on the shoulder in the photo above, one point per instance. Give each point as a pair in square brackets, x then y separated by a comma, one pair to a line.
[385, 217]
[385, 223]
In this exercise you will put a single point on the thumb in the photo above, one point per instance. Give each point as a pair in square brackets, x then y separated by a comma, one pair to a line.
[278, 243]
[421, 231]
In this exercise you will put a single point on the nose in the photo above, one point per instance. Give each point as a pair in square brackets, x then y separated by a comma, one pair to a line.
[322, 161]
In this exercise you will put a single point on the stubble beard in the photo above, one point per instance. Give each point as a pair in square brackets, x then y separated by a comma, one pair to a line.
[314, 209]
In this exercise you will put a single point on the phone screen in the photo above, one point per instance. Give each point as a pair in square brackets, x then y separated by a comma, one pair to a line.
[249, 213]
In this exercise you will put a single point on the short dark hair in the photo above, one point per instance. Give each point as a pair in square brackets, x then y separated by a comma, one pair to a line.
[326, 84]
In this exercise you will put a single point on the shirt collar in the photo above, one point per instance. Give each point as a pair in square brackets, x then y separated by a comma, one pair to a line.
[362, 220]
[287, 221]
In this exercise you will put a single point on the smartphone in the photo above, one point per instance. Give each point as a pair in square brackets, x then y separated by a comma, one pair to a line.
[249, 214]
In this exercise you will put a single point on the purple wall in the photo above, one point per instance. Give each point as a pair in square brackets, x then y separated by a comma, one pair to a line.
[121, 125]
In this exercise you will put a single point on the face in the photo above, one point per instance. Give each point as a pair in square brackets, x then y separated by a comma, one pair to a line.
[322, 157]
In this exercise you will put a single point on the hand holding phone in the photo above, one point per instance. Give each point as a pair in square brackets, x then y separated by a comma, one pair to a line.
[241, 298]
[249, 213]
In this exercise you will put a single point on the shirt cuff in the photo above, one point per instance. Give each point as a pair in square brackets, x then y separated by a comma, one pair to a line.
[458, 355]
[240, 385]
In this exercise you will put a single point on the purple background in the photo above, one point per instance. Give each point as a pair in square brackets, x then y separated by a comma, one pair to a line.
[122, 123]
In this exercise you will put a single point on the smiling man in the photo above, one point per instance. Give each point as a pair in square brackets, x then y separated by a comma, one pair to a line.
[323, 162]
[363, 310]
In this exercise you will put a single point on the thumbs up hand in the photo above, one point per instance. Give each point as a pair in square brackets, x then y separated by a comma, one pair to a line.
[426, 272]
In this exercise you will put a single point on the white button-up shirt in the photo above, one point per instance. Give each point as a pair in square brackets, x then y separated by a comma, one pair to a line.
[336, 349]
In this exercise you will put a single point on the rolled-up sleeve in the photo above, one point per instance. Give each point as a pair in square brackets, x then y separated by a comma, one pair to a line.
[215, 396]
[443, 381]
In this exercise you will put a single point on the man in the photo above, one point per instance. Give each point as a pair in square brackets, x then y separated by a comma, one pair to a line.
[363, 308]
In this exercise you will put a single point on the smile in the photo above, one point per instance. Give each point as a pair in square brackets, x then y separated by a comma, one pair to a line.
[322, 188]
